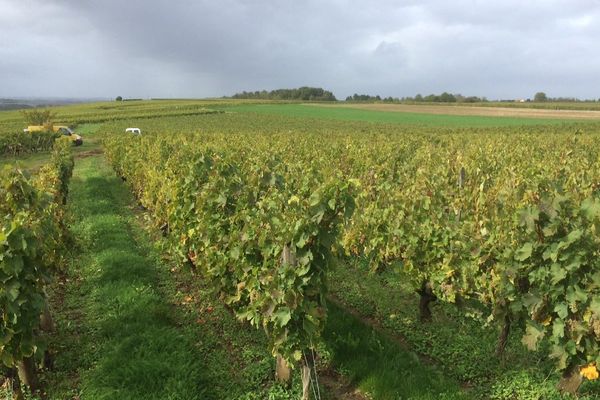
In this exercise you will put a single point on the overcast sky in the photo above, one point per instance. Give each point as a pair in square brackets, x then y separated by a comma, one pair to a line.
[202, 48]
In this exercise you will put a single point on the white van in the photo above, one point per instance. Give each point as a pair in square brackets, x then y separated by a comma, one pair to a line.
[135, 131]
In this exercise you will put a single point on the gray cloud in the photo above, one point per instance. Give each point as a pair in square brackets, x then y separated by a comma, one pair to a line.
[160, 48]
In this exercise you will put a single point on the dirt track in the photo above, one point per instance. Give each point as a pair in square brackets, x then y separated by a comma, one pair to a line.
[477, 111]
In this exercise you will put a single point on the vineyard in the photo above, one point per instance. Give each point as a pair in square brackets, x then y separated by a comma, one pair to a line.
[475, 247]
[32, 208]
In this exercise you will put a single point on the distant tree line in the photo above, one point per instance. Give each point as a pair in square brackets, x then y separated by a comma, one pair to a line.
[304, 93]
[363, 97]
[542, 97]
[432, 98]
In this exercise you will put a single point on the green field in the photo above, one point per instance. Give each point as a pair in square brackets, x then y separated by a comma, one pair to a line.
[175, 281]
[403, 118]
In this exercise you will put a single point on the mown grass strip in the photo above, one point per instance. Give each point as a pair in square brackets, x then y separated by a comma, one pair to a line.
[132, 346]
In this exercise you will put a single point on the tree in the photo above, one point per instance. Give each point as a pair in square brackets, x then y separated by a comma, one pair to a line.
[119, 98]
[540, 96]
[447, 98]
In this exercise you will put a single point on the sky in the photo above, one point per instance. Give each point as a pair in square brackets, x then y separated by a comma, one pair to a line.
[210, 48]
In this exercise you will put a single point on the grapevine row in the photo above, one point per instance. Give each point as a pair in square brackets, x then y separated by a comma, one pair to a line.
[261, 228]
[31, 208]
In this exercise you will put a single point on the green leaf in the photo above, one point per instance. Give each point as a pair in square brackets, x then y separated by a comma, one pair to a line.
[591, 208]
[524, 252]
[575, 295]
[7, 359]
[235, 253]
[559, 353]
[12, 290]
[529, 217]
[302, 240]
[303, 270]
[13, 265]
[595, 284]
[595, 306]
[562, 309]
[558, 328]
[282, 316]
[558, 273]
[574, 236]
[315, 199]
[532, 301]
[533, 334]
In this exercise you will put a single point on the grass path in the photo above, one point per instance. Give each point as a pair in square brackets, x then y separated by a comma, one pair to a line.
[129, 344]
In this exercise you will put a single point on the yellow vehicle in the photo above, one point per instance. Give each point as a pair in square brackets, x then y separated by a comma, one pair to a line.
[61, 129]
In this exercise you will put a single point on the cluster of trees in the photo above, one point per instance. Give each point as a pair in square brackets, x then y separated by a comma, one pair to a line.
[432, 98]
[542, 97]
[364, 97]
[446, 97]
[304, 93]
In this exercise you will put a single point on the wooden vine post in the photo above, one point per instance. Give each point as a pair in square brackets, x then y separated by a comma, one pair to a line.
[46, 320]
[570, 380]
[27, 373]
[503, 338]
[283, 371]
[308, 365]
[426, 297]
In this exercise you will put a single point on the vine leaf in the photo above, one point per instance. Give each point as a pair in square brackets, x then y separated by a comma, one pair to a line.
[524, 252]
[533, 334]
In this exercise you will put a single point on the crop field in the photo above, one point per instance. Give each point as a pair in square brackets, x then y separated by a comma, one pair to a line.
[261, 250]
[423, 115]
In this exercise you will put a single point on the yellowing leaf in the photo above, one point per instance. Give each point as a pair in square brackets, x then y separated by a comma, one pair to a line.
[589, 371]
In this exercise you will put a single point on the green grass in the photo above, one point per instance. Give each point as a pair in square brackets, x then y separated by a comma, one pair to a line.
[381, 366]
[29, 162]
[460, 346]
[127, 329]
[414, 119]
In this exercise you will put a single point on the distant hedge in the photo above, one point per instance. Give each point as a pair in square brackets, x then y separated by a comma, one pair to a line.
[304, 93]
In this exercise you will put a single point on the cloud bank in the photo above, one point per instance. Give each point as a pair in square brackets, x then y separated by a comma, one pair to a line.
[186, 48]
